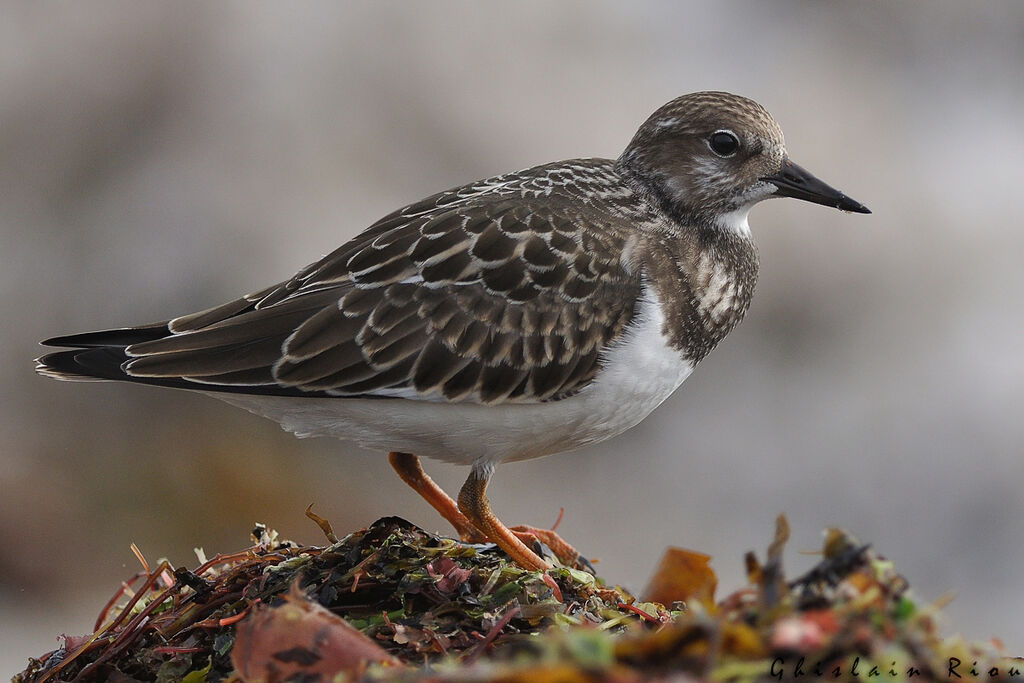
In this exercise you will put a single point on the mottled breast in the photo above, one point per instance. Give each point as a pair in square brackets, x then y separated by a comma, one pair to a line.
[706, 282]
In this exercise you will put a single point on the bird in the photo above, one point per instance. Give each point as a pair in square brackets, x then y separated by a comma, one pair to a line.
[514, 317]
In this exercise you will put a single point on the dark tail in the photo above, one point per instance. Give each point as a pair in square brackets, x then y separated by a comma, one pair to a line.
[95, 355]
[125, 336]
[100, 356]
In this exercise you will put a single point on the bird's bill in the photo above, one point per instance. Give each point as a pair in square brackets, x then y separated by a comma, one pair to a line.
[797, 182]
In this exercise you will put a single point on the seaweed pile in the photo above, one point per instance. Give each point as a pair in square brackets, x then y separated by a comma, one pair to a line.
[393, 602]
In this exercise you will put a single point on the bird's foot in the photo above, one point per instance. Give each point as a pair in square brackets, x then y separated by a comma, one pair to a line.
[565, 553]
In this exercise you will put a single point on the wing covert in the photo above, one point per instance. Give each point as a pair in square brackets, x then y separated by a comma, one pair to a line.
[468, 295]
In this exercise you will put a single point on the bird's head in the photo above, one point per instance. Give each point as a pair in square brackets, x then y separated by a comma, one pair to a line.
[708, 157]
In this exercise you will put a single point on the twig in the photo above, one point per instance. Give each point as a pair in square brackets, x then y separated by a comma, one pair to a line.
[479, 648]
[324, 525]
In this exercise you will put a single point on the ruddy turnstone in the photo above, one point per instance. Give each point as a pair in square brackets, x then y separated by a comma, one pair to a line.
[514, 317]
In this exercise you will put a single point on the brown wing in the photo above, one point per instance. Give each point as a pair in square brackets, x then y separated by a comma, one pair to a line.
[467, 295]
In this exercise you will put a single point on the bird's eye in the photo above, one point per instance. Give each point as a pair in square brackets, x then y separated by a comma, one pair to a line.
[724, 143]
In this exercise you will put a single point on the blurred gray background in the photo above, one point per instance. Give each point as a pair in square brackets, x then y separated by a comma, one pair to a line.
[160, 158]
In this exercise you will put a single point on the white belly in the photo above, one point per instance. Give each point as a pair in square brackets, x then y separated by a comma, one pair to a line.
[638, 373]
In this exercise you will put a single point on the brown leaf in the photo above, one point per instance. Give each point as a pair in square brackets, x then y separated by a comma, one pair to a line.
[71, 643]
[300, 639]
[450, 575]
[682, 575]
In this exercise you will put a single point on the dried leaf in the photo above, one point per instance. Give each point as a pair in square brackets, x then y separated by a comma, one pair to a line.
[451, 576]
[682, 576]
[303, 640]
[773, 582]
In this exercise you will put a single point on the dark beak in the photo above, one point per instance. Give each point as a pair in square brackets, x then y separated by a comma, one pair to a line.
[794, 181]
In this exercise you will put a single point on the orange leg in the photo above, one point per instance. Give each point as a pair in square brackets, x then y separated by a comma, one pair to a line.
[475, 506]
[522, 537]
[409, 469]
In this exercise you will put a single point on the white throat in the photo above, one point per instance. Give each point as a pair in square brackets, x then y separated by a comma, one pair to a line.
[736, 221]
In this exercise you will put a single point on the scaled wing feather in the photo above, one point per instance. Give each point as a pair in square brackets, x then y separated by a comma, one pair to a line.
[475, 294]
